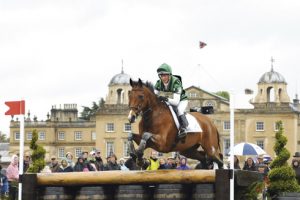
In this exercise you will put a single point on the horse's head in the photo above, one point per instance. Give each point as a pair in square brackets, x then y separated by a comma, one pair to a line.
[136, 100]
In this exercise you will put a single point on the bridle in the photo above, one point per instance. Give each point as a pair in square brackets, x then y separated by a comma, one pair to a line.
[138, 110]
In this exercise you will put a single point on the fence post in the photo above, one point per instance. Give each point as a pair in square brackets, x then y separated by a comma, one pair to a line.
[29, 186]
[222, 184]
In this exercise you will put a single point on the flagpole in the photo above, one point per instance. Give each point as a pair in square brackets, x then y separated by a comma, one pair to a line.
[231, 105]
[21, 160]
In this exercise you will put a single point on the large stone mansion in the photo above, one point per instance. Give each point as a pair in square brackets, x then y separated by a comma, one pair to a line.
[63, 131]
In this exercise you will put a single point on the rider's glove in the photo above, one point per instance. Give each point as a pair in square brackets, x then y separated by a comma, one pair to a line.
[162, 98]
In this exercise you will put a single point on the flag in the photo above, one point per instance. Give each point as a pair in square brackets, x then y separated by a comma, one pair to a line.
[15, 107]
[202, 44]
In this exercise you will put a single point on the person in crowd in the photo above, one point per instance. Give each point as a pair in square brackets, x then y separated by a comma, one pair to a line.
[171, 163]
[85, 155]
[122, 165]
[183, 164]
[169, 83]
[163, 164]
[98, 161]
[153, 161]
[54, 165]
[12, 171]
[249, 165]
[80, 165]
[236, 162]
[4, 183]
[112, 163]
[64, 166]
[296, 160]
[261, 166]
[12, 174]
[69, 157]
[26, 162]
[92, 160]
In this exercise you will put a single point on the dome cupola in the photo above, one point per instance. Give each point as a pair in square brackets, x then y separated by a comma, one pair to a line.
[120, 79]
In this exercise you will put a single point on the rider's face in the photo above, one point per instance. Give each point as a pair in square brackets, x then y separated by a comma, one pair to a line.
[165, 78]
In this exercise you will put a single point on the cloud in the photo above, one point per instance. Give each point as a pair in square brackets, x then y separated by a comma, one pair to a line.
[56, 52]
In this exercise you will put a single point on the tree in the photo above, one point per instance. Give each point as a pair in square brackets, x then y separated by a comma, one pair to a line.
[88, 112]
[3, 137]
[224, 94]
[38, 154]
[282, 176]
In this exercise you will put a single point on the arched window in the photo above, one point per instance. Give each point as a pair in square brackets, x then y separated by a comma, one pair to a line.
[270, 94]
[120, 96]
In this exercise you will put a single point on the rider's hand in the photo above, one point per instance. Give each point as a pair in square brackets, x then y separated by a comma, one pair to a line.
[162, 98]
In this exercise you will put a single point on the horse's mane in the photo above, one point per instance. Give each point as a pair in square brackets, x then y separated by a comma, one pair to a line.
[149, 85]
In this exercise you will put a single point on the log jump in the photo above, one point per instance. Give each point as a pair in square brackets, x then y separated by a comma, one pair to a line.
[126, 177]
[128, 185]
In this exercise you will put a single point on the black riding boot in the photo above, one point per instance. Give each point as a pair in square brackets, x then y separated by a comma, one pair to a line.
[183, 125]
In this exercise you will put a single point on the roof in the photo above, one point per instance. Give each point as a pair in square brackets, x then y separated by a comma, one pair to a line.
[272, 77]
[120, 79]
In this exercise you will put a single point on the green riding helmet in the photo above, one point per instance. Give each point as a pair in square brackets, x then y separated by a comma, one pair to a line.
[164, 69]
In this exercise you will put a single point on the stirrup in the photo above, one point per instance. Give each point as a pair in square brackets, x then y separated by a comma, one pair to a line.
[182, 134]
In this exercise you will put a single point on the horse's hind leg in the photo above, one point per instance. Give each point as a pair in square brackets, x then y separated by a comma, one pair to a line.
[217, 157]
[193, 153]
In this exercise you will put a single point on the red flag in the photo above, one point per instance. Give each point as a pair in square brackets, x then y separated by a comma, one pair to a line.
[15, 107]
[202, 44]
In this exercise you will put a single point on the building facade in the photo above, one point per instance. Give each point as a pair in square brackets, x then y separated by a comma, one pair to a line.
[108, 130]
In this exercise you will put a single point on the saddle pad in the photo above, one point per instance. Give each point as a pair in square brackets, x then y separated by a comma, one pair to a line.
[193, 126]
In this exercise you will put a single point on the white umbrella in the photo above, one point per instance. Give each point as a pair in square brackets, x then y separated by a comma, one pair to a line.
[244, 148]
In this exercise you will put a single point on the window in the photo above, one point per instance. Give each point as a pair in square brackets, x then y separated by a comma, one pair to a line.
[42, 135]
[110, 148]
[209, 103]
[78, 152]
[260, 143]
[125, 149]
[61, 152]
[17, 136]
[226, 125]
[259, 126]
[127, 127]
[192, 95]
[110, 127]
[61, 135]
[78, 135]
[94, 135]
[226, 146]
[29, 136]
[159, 154]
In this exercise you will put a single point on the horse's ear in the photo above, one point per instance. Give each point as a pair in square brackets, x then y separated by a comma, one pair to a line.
[140, 83]
[131, 82]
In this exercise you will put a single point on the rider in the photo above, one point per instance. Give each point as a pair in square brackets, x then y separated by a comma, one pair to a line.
[169, 88]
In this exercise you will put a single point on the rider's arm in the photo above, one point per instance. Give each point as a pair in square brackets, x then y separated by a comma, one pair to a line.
[175, 100]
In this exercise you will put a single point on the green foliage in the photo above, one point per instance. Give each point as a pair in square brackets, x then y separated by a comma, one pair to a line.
[38, 154]
[282, 177]
[253, 190]
[224, 94]
[3, 137]
[88, 112]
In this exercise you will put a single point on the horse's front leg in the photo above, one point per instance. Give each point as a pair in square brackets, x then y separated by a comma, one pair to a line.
[133, 137]
[142, 146]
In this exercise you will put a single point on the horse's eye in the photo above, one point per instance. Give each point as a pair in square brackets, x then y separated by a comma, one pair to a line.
[141, 97]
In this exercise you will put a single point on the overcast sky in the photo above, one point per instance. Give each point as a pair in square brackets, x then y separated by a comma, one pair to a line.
[56, 52]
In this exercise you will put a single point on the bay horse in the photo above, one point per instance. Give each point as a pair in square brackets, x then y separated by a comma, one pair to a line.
[157, 129]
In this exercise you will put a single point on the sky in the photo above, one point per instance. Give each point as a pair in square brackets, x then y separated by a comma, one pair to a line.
[58, 52]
